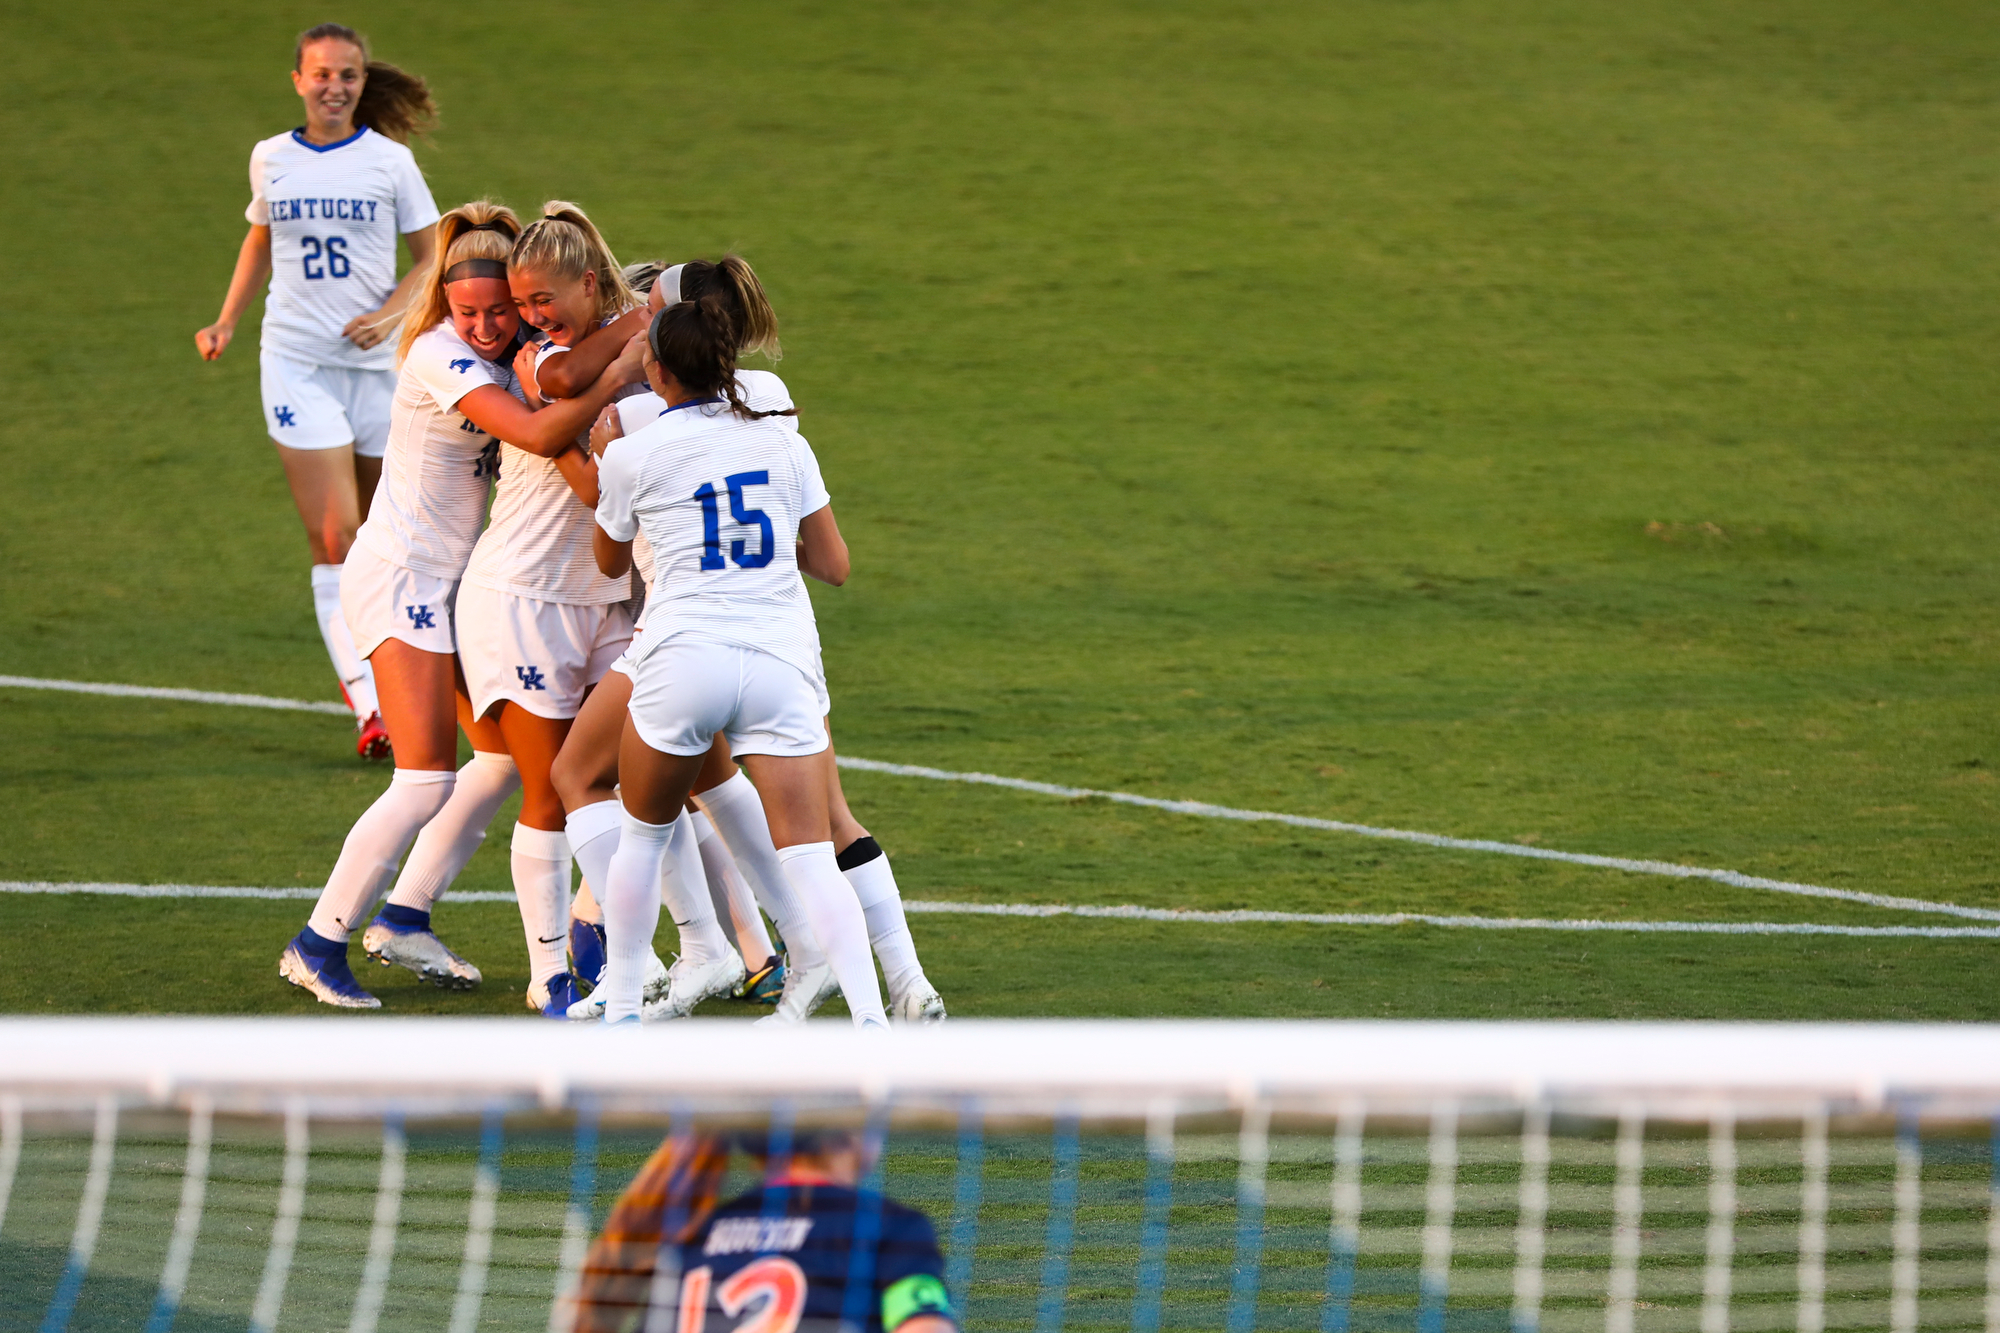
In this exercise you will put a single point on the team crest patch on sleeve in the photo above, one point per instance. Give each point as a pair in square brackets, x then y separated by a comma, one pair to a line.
[463, 364]
[748, 1235]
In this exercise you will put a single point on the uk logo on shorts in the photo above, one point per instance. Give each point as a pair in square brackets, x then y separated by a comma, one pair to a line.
[422, 617]
[284, 416]
[531, 678]
[462, 365]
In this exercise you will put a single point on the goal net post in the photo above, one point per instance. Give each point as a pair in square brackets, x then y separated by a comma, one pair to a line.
[165, 1174]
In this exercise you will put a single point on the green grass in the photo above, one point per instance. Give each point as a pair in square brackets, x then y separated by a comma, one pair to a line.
[1568, 423]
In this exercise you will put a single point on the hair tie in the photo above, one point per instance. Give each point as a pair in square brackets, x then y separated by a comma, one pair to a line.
[494, 224]
[476, 268]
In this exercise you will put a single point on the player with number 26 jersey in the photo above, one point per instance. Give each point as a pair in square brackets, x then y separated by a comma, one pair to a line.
[335, 212]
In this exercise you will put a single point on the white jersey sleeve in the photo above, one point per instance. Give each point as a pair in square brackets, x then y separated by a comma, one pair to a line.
[617, 474]
[415, 209]
[448, 369]
[259, 212]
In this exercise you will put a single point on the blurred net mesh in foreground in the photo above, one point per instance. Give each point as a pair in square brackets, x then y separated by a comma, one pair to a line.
[1080, 1176]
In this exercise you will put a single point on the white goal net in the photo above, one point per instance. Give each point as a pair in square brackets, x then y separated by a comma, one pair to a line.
[378, 1174]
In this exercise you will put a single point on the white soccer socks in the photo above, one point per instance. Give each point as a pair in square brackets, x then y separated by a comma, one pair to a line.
[738, 813]
[838, 921]
[631, 906]
[355, 676]
[866, 867]
[541, 886]
[735, 906]
[449, 840]
[684, 888]
[374, 845]
[593, 838]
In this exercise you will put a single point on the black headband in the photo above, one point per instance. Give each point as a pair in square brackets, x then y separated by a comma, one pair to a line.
[476, 268]
[504, 228]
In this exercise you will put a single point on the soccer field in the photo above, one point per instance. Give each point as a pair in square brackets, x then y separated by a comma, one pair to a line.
[1567, 425]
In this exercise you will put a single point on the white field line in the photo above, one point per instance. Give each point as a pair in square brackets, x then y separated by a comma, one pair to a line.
[1733, 878]
[1172, 915]
[1201, 809]
[180, 696]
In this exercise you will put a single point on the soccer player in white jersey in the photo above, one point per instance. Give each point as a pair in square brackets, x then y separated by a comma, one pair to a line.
[538, 624]
[586, 772]
[456, 401]
[327, 202]
[734, 838]
[731, 644]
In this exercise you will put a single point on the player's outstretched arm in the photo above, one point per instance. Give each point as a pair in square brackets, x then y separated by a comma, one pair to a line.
[370, 329]
[561, 376]
[822, 550]
[553, 429]
[253, 270]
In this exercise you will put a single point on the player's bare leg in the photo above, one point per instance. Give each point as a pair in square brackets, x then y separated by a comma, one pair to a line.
[736, 904]
[656, 860]
[794, 795]
[731, 802]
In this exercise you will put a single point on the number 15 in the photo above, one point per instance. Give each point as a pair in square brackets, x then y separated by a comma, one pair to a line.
[711, 523]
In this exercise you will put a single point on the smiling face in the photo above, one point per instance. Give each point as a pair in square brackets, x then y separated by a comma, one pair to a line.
[564, 309]
[329, 78]
[482, 310]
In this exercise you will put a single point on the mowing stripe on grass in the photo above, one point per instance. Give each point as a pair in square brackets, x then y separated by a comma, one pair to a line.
[1173, 915]
[1201, 809]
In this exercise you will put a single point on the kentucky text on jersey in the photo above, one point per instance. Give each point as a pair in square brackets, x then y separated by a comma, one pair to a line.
[340, 210]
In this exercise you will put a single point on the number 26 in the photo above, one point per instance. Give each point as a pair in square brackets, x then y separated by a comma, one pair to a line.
[336, 263]
[711, 523]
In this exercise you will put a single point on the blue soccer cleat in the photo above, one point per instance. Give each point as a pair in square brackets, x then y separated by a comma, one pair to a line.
[307, 964]
[553, 998]
[763, 985]
[587, 950]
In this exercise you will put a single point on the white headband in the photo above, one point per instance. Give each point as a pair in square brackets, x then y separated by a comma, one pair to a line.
[670, 284]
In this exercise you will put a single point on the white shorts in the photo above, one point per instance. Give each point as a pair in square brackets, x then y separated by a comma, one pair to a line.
[540, 655]
[685, 690]
[324, 407]
[384, 601]
[623, 666]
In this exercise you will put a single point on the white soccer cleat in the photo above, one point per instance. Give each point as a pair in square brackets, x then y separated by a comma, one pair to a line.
[659, 979]
[806, 989]
[920, 1004]
[693, 983]
[422, 952]
[591, 1007]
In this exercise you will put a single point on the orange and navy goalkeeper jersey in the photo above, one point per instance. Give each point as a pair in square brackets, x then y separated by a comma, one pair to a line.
[824, 1256]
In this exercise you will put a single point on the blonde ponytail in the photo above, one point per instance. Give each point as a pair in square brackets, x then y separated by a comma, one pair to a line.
[564, 243]
[481, 229]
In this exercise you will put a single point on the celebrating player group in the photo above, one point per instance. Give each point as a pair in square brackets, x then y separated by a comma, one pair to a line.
[622, 639]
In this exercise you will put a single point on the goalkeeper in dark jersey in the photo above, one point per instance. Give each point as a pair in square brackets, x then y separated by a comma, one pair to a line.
[805, 1251]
